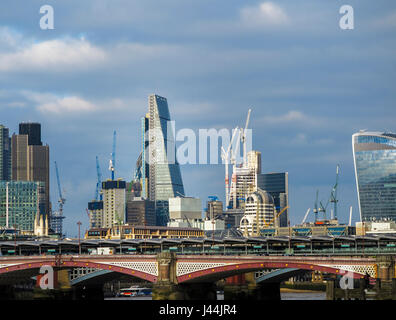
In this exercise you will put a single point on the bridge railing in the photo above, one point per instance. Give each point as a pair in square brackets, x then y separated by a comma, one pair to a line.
[269, 248]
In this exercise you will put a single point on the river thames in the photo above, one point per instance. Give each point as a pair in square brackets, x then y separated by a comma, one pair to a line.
[284, 296]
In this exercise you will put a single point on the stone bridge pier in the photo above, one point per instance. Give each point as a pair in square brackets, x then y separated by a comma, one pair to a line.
[167, 287]
[238, 287]
[245, 287]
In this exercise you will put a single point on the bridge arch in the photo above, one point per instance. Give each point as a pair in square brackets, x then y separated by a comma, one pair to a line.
[66, 264]
[216, 273]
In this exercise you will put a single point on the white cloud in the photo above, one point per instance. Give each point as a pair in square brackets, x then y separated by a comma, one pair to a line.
[289, 117]
[388, 21]
[51, 55]
[50, 104]
[265, 14]
[67, 104]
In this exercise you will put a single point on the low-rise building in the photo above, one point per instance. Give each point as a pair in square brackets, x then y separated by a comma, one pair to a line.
[143, 232]
[375, 227]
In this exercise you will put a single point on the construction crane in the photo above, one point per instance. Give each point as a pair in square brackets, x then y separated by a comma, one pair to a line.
[316, 209]
[243, 139]
[99, 181]
[323, 208]
[234, 164]
[112, 160]
[306, 215]
[333, 194]
[225, 155]
[61, 200]
[57, 217]
[276, 216]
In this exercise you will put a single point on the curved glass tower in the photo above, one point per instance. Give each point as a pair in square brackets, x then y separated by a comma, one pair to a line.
[157, 168]
[374, 155]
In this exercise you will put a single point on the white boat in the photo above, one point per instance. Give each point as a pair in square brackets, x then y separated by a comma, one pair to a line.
[135, 291]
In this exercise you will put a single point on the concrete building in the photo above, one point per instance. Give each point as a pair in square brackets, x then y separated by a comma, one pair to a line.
[214, 225]
[30, 159]
[185, 212]
[374, 155]
[143, 232]
[5, 154]
[185, 208]
[214, 208]
[244, 180]
[95, 211]
[140, 212]
[375, 227]
[232, 218]
[21, 203]
[259, 212]
[113, 202]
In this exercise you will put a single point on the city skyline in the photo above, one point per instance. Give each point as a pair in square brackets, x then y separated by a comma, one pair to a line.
[310, 86]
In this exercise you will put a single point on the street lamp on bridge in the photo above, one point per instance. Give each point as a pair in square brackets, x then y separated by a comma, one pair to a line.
[79, 243]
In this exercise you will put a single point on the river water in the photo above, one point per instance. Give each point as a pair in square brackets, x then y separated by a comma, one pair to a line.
[284, 296]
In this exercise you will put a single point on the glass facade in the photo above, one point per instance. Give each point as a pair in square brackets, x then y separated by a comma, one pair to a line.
[5, 154]
[164, 176]
[276, 184]
[24, 200]
[375, 170]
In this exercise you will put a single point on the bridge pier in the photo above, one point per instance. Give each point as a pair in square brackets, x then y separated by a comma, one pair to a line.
[62, 289]
[167, 287]
[244, 287]
[88, 293]
[333, 292]
[7, 292]
[193, 291]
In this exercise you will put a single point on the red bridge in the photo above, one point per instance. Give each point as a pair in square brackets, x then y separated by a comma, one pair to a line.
[170, 272]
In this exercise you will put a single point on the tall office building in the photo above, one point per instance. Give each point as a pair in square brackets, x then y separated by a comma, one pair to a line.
[140, 212]
[374, 155]
[259, 212]
[244, 180]
[113, 203]
[277, 185]
[21, 202]
[33, 131]
[30, 162]
[95, 209]
[5, 154]
[157, 166]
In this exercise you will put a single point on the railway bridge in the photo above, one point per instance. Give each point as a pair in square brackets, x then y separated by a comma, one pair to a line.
[181, 276]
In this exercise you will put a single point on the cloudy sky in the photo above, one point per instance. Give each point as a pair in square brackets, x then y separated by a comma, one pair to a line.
[310, 85]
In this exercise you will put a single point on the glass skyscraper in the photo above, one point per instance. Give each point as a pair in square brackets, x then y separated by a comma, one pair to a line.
[5, 154]
[157, 166]
[277, 185]
[374, 156]
[20, 203]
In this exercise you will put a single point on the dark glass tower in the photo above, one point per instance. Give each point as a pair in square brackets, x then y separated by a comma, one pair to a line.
[374, 155]
[157, 168]
[30, 161]
[276, 184]
[33, 131]
[5, 154]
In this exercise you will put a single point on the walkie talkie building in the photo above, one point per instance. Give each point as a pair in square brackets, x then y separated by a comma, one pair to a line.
[374, 155]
